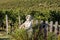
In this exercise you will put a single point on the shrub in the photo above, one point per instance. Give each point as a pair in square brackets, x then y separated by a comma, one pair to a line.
[20, 34]
[52, 36]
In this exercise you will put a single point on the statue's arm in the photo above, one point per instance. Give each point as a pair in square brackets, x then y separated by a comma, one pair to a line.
[22, 26]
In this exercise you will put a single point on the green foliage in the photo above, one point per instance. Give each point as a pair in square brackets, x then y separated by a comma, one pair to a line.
[30, 4]
[39, 15]
[38, 9]
[20, 34]
[55, 15]
[52, 36]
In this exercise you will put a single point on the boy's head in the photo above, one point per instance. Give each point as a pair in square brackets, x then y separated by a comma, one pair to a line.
[28, 17]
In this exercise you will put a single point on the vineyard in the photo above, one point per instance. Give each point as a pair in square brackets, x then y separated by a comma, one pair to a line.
[13, 13]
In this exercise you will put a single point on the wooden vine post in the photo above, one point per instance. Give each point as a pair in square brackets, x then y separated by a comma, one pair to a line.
[7, 24]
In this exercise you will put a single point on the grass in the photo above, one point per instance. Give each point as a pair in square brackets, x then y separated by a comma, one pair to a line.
[4, 37]
[8, 4]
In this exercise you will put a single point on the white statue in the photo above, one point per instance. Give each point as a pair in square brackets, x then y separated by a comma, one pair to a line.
[27, 25]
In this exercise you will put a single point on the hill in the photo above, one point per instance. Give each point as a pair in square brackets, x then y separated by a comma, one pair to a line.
[30, 4]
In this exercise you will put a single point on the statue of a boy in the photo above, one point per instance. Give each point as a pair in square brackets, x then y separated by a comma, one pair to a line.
[27, 25]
